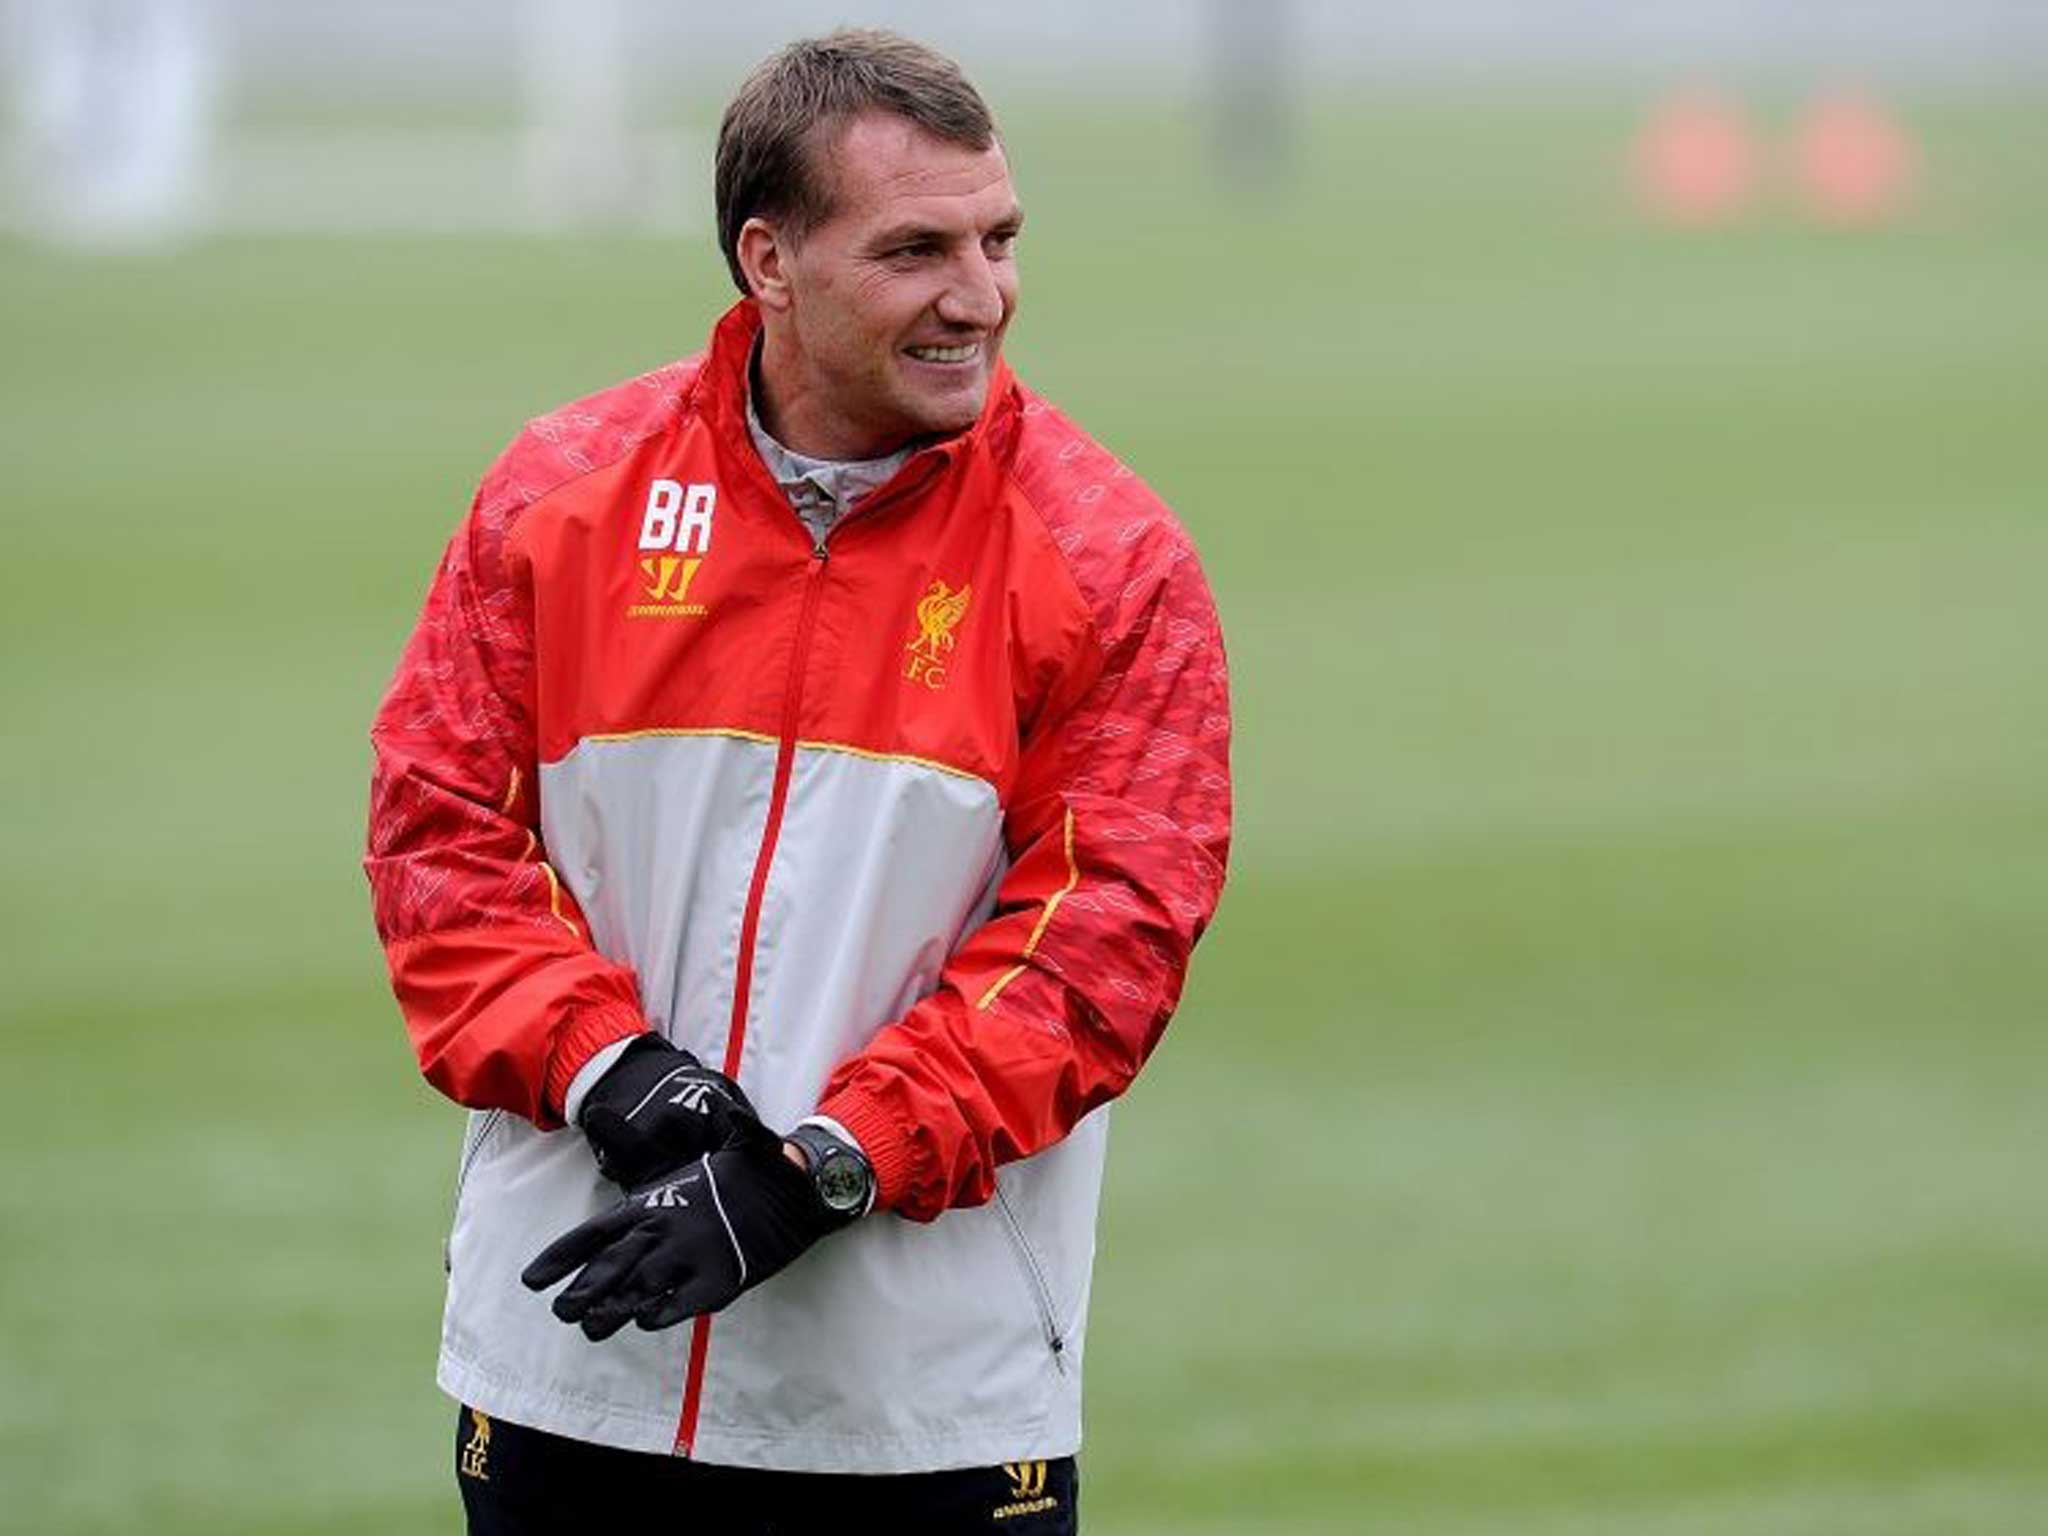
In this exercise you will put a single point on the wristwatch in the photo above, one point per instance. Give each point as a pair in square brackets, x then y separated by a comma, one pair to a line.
[840, 1172]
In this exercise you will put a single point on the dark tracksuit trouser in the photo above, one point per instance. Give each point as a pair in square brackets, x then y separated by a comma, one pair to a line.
[517, 1481]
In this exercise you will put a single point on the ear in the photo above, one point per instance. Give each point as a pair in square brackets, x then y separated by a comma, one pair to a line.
[764, 257]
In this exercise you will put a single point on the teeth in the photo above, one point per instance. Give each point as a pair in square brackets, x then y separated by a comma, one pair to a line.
[944, 354]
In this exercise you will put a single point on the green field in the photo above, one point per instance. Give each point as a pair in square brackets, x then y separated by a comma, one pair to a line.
[1612, 1098]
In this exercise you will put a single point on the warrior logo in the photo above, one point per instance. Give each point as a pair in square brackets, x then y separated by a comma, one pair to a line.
[1027, 1491]
[939, 613]
[1027, 1478]
[696, 1096]
[668, 577]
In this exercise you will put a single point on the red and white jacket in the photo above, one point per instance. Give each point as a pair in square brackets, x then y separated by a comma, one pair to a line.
[915, 829]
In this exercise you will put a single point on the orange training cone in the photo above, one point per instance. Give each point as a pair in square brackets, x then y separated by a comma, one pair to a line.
[1854, 161]
[1695, 161]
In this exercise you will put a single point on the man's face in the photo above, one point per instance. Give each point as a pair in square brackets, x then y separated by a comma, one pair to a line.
[897, 303]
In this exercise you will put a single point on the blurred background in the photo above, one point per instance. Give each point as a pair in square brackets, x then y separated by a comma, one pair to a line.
[1611, 1099]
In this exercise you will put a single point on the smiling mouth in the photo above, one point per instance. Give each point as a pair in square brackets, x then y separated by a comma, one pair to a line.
[964, 353]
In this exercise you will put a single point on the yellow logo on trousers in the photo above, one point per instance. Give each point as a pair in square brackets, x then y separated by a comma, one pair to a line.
[1027, 1491]
[476, 1451]
[1027, 1478]
[939, 613]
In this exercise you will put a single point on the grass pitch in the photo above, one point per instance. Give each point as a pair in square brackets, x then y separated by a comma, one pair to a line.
[1610, 1100]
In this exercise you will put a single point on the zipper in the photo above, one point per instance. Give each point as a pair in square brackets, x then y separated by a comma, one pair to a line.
[1034, 1276]
[778, 799]
[750, 919]
[750, 925]
[470, 1153]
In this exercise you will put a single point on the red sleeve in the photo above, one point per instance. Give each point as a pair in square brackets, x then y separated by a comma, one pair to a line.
[1118, 833]
[503, 995]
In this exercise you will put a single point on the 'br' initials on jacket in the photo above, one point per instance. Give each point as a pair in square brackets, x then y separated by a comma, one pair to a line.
[914, 828]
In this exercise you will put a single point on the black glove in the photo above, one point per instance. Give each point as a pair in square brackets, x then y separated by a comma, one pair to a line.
[657, 1108]
[689, 1242]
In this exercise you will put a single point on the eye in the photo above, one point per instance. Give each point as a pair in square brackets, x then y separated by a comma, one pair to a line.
[1002, 242]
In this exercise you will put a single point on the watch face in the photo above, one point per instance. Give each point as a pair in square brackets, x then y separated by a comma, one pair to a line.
[842, 1182]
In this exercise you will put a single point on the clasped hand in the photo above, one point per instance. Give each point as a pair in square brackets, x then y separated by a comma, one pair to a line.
[713, 1206]
[686, 1243]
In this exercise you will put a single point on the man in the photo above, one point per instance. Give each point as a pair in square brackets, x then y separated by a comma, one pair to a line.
[807, 781]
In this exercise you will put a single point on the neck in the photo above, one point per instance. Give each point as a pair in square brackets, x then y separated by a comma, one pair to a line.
[790, 405]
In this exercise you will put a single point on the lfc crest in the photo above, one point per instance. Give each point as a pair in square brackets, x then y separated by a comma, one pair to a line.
[939, 613]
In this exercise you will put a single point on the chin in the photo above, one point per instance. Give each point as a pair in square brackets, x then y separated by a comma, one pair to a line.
[955, 413]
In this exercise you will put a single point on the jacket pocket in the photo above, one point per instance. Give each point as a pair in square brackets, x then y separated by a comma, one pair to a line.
[471, 1150]
[1034, 1280]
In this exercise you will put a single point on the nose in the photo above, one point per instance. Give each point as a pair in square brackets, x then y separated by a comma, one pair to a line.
[974, 296]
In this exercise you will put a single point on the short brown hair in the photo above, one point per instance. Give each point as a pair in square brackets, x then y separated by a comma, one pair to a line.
[797, 98]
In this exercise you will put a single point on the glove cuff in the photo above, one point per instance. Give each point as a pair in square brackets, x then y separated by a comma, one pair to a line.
[585, 1035]
[588, 1076]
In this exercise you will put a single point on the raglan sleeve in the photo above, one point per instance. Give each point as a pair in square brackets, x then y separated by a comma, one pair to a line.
[503, 995]
[1118, 833]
